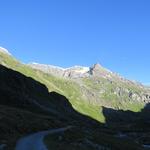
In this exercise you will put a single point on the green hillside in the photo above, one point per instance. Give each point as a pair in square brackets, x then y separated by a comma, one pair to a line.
[87, 95]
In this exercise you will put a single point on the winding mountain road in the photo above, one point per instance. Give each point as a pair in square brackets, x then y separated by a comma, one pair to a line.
[35, 141]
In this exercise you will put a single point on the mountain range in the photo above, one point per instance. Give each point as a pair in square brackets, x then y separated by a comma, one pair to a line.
[101, 108]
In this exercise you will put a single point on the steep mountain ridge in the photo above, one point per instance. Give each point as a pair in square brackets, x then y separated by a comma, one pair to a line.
[97, 73]
[75, 71]
[87, 88]
[72, 72]
[95, 70]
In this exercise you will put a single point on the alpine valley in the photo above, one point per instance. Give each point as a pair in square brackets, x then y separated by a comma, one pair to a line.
[45, 107]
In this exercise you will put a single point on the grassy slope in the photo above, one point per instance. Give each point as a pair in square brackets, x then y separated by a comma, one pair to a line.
[68, 88]
[109, 98]
[73, 91]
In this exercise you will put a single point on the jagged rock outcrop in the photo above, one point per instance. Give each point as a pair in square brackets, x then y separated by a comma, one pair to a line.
[72, 72]
[98, 70]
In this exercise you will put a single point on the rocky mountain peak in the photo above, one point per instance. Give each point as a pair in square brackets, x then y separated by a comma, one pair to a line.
[97, 66]
[3, 50]
[72, 72]
[98, 70]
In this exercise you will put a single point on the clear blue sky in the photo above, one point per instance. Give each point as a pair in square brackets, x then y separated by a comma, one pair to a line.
[115, 33]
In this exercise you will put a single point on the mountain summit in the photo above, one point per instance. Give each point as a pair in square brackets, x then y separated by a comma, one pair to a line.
[72, 72]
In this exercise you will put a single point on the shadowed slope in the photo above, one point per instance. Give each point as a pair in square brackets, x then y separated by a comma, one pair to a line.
[27, 107]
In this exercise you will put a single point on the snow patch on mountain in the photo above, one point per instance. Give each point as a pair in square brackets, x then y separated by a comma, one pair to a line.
[75, 71]
[47, 66]
[3, 50]
[79, 69]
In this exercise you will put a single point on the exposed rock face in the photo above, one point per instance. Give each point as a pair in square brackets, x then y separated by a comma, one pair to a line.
[134, 96]
[49, 69]
[73, 72]
[76, 72]
[127, 90]
[98, 70]
[79, 72]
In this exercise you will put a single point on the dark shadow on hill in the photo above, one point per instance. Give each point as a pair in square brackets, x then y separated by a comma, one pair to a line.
[23, 98]
[27, 107]
[130, 125]
[19, 91]
[140, 120]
